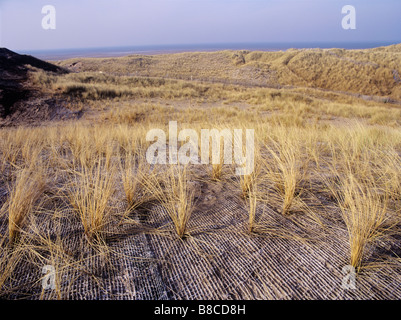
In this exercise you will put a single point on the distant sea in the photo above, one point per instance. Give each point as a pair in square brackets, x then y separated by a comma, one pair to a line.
[62, 54]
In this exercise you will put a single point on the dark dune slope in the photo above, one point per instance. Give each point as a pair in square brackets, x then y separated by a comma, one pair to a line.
[14, 85]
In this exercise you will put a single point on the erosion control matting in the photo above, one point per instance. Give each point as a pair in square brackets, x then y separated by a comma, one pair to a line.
[219, 260]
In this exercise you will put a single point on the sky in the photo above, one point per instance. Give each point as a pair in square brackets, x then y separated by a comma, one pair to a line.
[101, 23]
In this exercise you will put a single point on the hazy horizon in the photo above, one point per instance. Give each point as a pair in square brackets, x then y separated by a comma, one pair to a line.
[123, 23]
[303, 44]
[103, 52]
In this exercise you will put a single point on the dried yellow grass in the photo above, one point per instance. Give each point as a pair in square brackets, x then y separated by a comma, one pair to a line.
[90, 193]
[28, 188]
[172, 189]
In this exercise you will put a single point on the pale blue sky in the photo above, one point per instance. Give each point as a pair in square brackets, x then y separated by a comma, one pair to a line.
[101, 23]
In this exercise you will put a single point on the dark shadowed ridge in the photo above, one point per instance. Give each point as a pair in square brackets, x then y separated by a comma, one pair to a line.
[14, 87]
[14, 63]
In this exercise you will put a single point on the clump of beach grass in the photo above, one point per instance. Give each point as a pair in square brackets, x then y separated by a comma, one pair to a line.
[27, 190]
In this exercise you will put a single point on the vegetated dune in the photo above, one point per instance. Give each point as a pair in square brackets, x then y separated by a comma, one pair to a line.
[321, 208]
[19, 99]
[366, 72]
